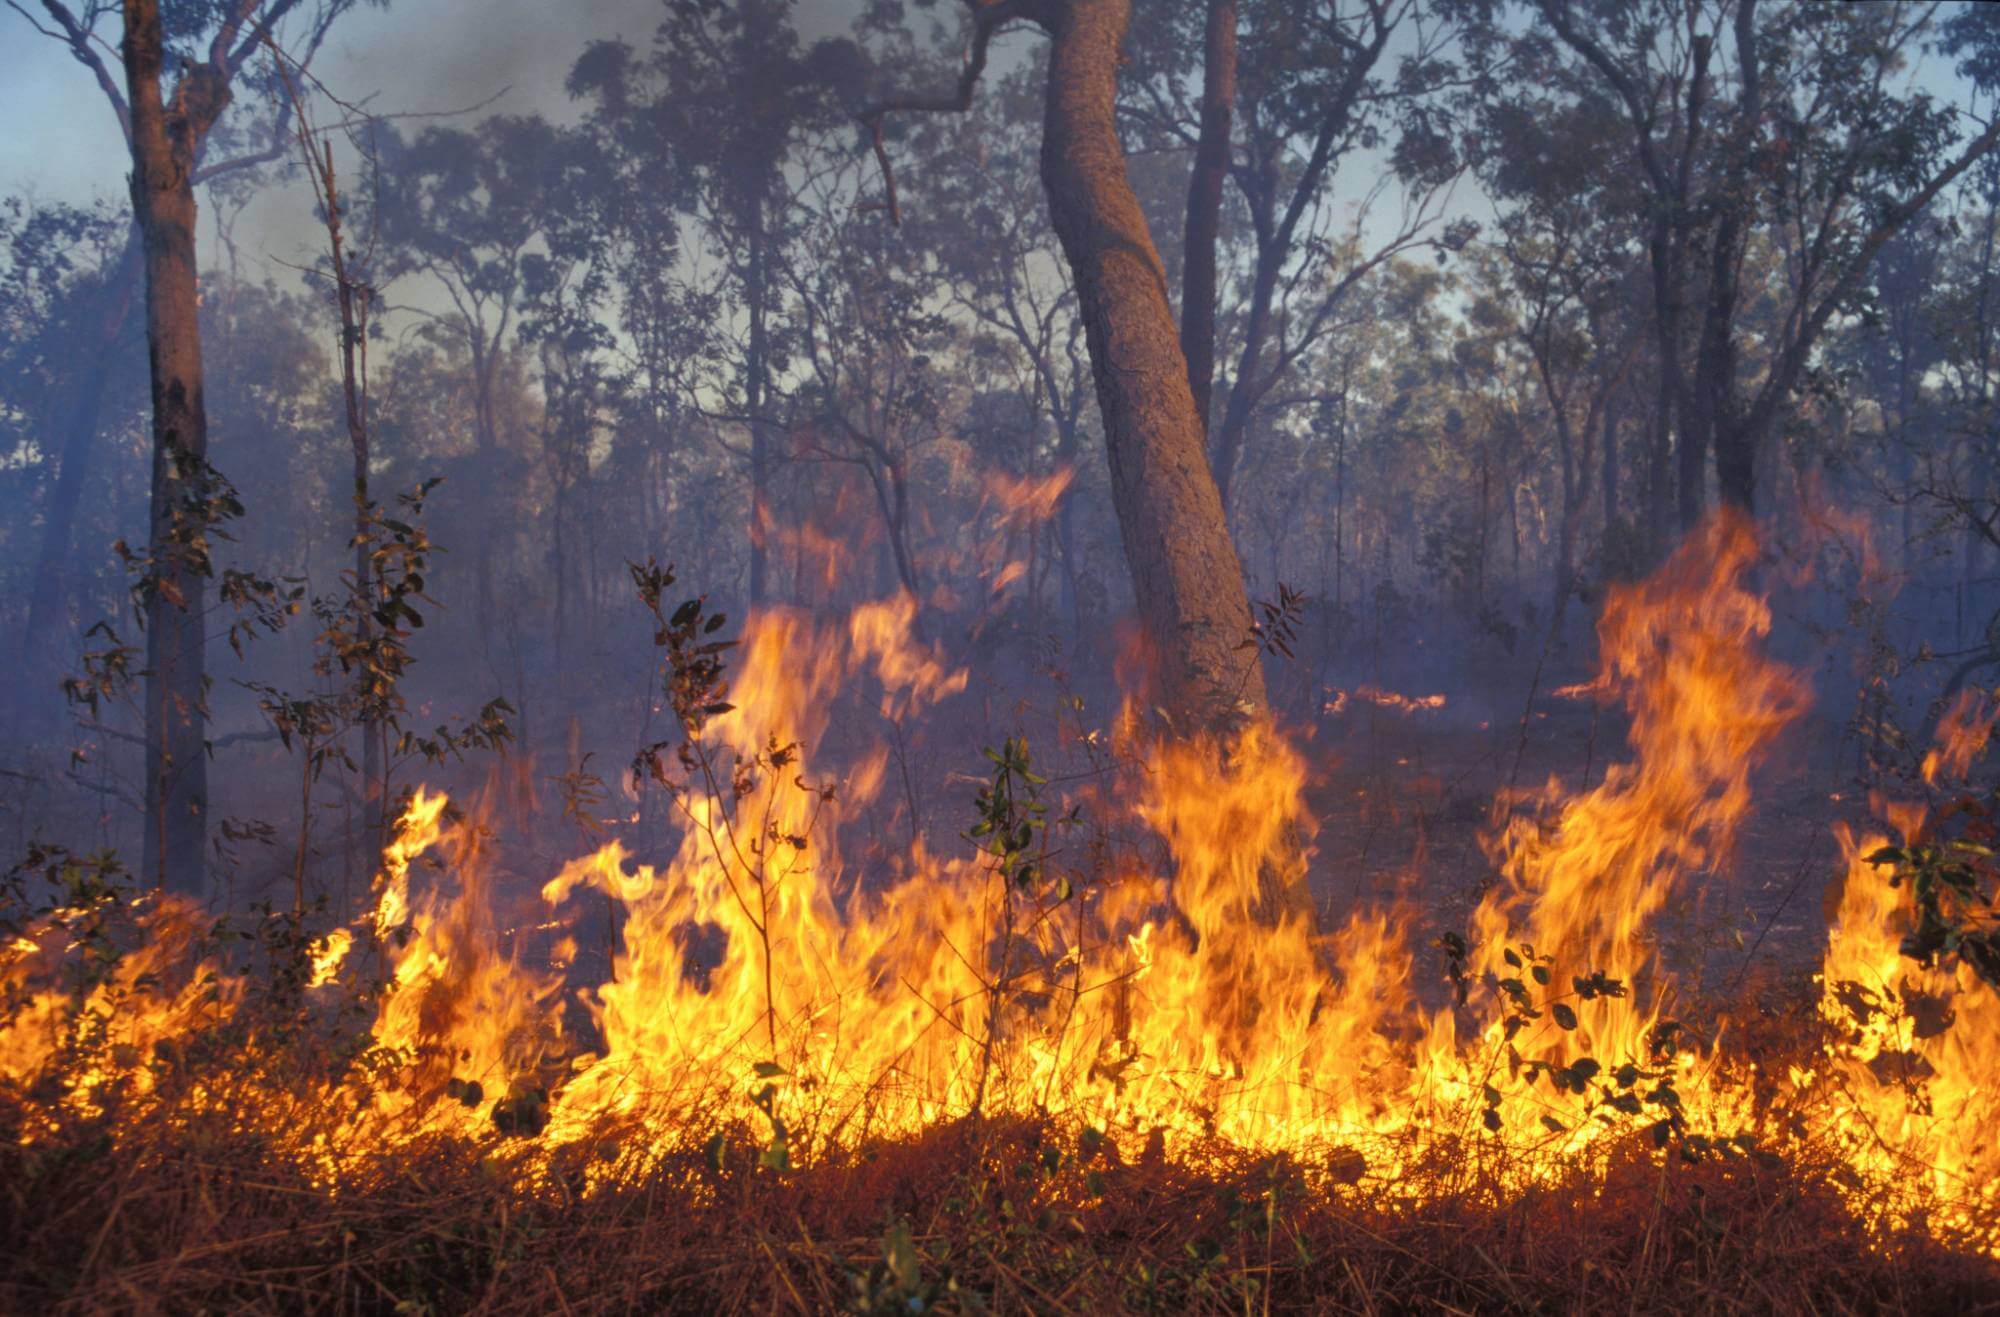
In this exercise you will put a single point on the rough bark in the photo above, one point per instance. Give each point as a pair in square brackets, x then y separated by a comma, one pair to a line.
[166, 141]
[1204, 207]
[1185, 572]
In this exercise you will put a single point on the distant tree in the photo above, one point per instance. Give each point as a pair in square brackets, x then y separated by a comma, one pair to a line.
[466, 208]
[1320, 86]
[728, 106]
[1786, 118]
[983, 220]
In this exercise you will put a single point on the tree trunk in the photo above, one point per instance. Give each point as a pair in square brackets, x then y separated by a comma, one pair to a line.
[352, 302]
[1609, 461]
[165, 142]
[1185, 572]
[1204, 208]
[754, 399]
[1228, 445]
[1071, 597]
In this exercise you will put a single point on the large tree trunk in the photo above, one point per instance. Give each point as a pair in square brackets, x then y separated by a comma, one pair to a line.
[1185, 573]
[165, 142]
[1204, 207]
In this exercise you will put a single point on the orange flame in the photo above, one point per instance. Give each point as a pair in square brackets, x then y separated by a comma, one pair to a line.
[759, 981]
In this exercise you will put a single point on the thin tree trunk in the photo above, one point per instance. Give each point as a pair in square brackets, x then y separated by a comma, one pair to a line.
[1609, 462]
[754, 391]
[1228, 444]
[165, 142]
[1204, 207]
[352, 301]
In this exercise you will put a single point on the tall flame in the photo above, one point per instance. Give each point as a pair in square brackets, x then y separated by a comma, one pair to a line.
[760, 982]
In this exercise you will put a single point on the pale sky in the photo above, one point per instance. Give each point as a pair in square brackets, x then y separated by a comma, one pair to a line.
[417, 56]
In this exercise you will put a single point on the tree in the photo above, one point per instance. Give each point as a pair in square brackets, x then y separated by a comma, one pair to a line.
[727, 107]
[465, 208]
[1790, 118]
[1185, 574]
[984, 223]
[168, 133]
[871, 336]
[1310, 76]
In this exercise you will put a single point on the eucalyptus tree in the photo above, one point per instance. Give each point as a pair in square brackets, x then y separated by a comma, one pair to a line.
[568, 288]
[182, 63]
[979, 213]
[1792, 121]
[1326, 93]
[1186, 577]
[875, 346]
[467, 208]
[731, 105]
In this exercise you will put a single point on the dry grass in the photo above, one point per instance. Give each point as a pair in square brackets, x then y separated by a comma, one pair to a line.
[186, 1216]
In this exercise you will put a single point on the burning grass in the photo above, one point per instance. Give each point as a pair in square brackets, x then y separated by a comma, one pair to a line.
[1013, 1076]
[1008, 1215]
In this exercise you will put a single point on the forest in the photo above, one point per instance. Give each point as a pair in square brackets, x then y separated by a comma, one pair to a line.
[1017, 655]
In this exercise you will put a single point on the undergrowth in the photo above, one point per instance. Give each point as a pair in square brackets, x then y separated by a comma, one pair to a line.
[977, 1216]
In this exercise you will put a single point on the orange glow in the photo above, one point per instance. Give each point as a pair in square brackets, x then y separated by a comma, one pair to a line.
[759, 981]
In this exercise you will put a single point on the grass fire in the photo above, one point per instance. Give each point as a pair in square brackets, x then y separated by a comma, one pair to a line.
[1034, 656]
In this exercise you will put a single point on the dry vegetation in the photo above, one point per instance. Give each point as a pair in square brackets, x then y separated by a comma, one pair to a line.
[967, 1217]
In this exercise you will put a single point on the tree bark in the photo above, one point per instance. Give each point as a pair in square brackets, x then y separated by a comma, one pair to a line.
[352, 301]
[166, 139]
[1185, 572]
[1204, 207]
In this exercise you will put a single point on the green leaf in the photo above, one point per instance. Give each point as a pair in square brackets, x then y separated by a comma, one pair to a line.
[899, 1251]
[1564, 1015]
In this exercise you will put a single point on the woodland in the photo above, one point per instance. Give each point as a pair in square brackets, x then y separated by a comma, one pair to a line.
[1036, 655]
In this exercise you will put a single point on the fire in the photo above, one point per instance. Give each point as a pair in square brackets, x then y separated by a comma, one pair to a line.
[1380, 698]
[1962, 733]
[761, 983]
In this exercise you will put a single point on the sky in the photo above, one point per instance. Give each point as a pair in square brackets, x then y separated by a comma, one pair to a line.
[414, 57]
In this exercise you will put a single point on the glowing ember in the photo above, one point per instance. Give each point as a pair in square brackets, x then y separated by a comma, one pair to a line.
[1382, 699]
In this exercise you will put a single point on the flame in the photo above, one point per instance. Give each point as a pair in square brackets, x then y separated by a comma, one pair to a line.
[1962, 733]
[1384, 699]
[759, 981]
